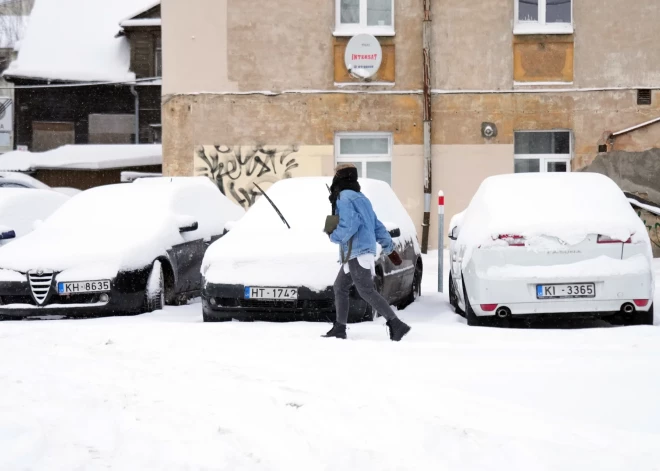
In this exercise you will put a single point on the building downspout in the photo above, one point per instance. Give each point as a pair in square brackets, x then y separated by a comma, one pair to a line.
[137, 113]
[426, 37]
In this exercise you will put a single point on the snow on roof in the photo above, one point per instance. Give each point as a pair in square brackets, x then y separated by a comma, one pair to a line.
[75, 40]
[12, 29]
[141, 22]
[84, 157]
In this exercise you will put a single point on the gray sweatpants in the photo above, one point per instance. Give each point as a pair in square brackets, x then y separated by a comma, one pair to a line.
[364, 283]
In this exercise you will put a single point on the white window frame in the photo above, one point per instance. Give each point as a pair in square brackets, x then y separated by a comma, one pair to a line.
[363, 158]
[540, 26]
[362, 27]
[544, 159]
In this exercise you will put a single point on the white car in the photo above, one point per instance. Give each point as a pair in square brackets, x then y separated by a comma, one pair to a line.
[286, 267]
[21, 180]
[21, 210]
[552, 245]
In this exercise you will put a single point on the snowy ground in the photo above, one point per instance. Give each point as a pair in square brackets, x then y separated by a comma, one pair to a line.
[165, 391]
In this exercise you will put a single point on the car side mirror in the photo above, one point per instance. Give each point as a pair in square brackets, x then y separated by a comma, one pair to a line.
[395, 232]
[7, 235]
[189, 228]
[453, 233]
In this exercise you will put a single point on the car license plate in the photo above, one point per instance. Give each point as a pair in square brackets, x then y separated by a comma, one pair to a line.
[77, 287]
[572, 290]
[253, 292]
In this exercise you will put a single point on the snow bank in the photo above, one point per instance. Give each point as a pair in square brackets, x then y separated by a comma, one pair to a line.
[122, 227]
[84, 157]
[261, 250]
[76, 40]
[21, 207]
[566, 206]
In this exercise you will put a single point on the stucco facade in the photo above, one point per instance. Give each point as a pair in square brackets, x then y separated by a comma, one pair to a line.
[245, 91]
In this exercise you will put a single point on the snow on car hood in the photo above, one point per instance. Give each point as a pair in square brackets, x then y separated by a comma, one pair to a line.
[285, 257]
[59, 250]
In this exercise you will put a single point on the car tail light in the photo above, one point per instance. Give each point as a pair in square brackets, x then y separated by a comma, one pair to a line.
[488, 307]
[608, 240]
[641, 302]
[513, 240]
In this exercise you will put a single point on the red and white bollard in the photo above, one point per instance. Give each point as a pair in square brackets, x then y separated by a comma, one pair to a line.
[441, 239]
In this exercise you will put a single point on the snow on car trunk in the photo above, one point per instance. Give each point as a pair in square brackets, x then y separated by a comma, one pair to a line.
[541, 219]
[261, 250]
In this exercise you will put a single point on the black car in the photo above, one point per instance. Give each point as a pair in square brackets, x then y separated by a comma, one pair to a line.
[269, 266]
[116, 249]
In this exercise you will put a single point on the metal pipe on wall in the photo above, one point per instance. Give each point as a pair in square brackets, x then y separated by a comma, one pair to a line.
[426, 37]
[137, 113]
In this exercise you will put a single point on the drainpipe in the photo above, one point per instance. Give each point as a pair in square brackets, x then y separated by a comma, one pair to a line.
[137, 114]
[426, 37]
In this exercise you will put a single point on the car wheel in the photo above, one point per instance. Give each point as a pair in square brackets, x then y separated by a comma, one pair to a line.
[415, 289]
[639, 318]
[154, 293]
[453, 299]
[471, 317]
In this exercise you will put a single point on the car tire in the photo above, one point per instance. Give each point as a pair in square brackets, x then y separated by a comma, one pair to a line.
[453, 299]
[639, 318]
[415, 289]
[154, 292]
[472, 318]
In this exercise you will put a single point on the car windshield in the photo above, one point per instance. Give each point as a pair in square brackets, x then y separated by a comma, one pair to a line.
[303, 202]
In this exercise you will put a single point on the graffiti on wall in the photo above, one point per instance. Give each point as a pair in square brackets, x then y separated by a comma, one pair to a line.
[236, 169]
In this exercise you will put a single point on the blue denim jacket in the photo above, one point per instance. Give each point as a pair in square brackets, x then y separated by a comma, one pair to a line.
[358, 220]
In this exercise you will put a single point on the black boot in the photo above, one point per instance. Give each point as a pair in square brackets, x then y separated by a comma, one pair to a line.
[338, 331]
[398, 329]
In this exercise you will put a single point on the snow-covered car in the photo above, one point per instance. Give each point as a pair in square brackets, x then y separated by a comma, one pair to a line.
[263, 267]
[21, 180]
[116, 249]
[21, 210]
[552, 245]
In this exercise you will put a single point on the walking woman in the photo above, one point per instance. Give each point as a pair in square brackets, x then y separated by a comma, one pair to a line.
[356, 234]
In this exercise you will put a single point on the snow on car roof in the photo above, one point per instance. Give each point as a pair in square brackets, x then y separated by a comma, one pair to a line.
[84, 157]
[568, 206]
[124, 225]
[75, 40]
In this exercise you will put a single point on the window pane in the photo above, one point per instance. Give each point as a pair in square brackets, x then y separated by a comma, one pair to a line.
[528, 10]
[527, 165]
[558, 11]
[557, 166]
[364, 146]
[380, 171]
[542, 142]
[379, 12]
[350, 11]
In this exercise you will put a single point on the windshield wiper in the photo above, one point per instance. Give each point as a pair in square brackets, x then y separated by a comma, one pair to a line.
[273, 205]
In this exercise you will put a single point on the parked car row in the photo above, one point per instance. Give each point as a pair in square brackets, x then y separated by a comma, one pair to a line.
[132, 248]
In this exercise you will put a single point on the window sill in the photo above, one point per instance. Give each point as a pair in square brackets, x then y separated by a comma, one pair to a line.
[535, 28]
[346, 32]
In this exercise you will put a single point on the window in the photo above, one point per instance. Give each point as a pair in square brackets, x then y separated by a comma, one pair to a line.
[365, 16]
[542, 151]
[543, 17]
[370, 152]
